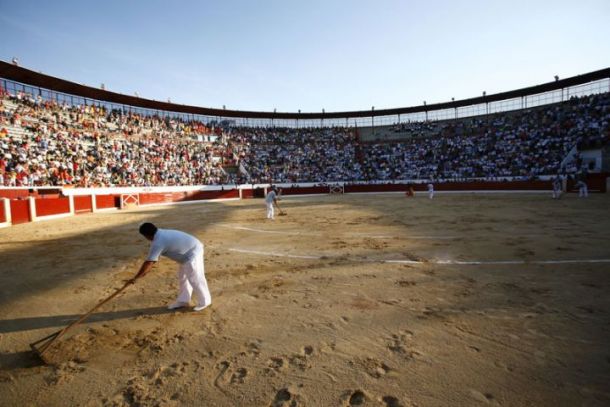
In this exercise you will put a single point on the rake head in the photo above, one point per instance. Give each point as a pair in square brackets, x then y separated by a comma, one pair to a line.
[42, 345]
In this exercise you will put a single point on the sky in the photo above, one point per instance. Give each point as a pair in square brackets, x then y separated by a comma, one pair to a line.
[337, 55]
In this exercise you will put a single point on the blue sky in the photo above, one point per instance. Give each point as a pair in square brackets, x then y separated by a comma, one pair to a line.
[337, 55]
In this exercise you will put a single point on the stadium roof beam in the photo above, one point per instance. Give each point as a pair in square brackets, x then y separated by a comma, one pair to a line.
[32, 78]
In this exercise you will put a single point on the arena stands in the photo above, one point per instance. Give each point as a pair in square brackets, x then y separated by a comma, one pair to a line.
[520, 144]
[298, 155]
[44, 143]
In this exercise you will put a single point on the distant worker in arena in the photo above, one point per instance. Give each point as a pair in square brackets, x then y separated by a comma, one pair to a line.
[270, 201]
[581, 183]
[410, 192]
[187, 251]
[430, 190]
[557, 187]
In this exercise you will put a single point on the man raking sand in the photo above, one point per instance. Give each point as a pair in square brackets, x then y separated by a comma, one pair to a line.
[187, 251]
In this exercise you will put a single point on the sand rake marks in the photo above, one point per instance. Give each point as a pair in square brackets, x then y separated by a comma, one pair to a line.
[41, 346]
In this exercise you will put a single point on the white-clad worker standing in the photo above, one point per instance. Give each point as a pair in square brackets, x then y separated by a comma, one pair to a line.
[187, 251]
[270, 200]
[557, 187]
[581, 183]
[430, 190]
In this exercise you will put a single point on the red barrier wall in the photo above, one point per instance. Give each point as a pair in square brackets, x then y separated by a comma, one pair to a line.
[378, 188]
[20, 211]
[82, 204]
[305, 190]
[595, 182]
[157, 198]
[147, 199]
[226, 194]
[2, 217]
[14, 193]
[52, 206]
[51, 203]
[493, 186]
[107, 201]
[17, 193]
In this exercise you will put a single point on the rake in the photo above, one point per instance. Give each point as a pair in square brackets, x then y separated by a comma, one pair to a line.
[42, 345]
[282, 213]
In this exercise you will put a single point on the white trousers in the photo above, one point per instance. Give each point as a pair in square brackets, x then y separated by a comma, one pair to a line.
[191, 278]
[269, 210]
[583, 191]
[430, 194]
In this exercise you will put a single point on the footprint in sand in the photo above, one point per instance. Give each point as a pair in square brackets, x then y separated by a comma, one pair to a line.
[357, 398]
[299, 361]
[275, 363]
[398, 342]
[239, 376]
[486, 398]
[286, 398]
[373, 367]
[281, 398]
[253, 348]
[391, 401]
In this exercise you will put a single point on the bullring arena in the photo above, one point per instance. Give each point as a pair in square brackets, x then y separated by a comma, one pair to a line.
[368, 291]
[354, 299]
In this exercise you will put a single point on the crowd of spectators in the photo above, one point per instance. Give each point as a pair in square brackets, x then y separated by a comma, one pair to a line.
[48, 143]
[523, 144]
[286, 155]
[58, 144]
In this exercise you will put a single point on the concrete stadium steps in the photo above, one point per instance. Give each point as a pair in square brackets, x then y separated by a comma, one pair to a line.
[17, 132]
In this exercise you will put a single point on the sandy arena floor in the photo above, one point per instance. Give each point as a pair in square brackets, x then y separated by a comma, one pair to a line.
[365, 300]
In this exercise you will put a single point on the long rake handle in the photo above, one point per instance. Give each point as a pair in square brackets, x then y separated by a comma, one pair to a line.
[55, 336]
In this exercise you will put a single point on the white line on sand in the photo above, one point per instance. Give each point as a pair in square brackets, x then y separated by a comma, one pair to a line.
[432, 261]
[294, 256]
[280, 232]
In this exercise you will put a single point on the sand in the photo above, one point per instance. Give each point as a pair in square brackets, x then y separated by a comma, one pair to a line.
[353, 300]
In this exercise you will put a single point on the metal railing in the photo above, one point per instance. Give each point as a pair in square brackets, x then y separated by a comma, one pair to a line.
[375, 119]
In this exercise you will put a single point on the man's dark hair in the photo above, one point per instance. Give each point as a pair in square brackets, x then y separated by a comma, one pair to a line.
[148, 229]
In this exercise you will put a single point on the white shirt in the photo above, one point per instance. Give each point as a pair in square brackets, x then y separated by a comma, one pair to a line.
[178, 246]
[430, 187]
[270, 197]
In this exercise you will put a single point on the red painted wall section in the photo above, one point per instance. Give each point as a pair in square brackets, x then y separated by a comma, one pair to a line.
[595, 183]
[106, 201]
[226, 194]
[2, 217]
[82, 204]
[20, 211]
[20, 193]
[168, 197]
[14, 193]
[305, 190]
[50, 206]
[247, 193]
[378, 188]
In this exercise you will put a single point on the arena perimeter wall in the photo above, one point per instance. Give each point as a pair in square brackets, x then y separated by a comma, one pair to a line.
[22, 205]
